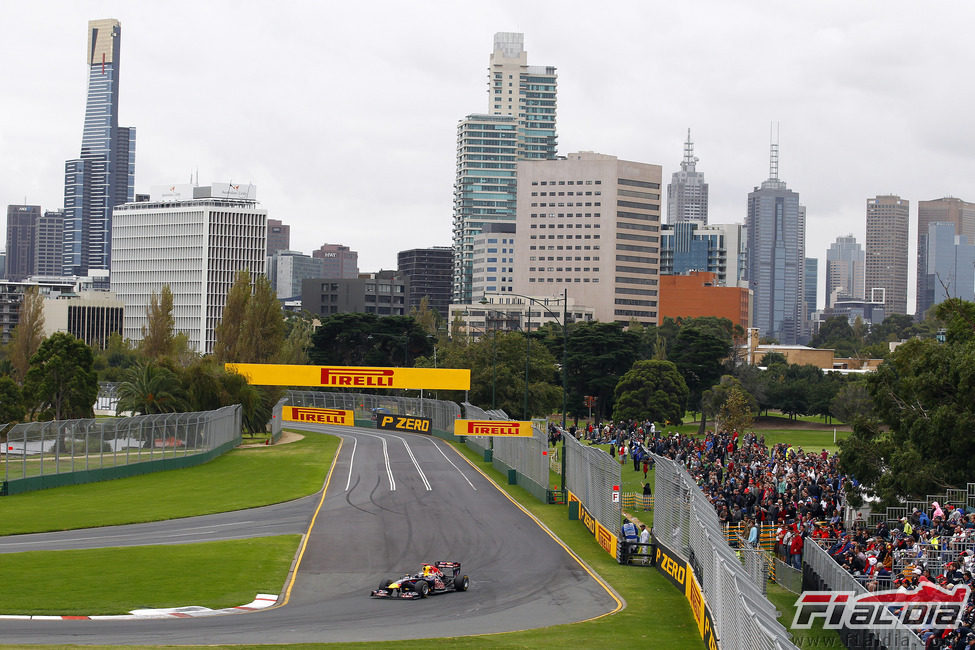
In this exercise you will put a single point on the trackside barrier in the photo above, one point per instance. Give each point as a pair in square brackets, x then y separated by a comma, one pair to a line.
[276, 424]
[39, 455]
[820, 572]
[590, 476]
[367, 407]
[730, 609]
[524, 459]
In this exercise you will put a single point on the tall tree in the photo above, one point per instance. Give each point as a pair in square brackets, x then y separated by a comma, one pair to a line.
[598, 355]
[369, 340]
[299, 328]
[425, 317]
[61, 382]
[29, 333]
[262, 330]
[158, 334]
[227, 335]
[737, 412]
[698, 354]
[651, 390]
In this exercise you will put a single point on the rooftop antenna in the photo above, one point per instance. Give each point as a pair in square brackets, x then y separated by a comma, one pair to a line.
[773, 166]
[689, 159]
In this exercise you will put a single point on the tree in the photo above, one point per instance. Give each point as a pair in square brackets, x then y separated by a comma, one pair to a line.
[209, 387]
[425, 317]
[651, 390]
[29, 333]
[737, 412]
[227, 340]
[297, 339]
[11, 403]
[925, 394]
[61, 382]
[112, 362]
[714, 399]
[158, 334]
[598, 355]
[262, 330]
[149, 388]
[357, 339]
[698, 356]
[852, 402]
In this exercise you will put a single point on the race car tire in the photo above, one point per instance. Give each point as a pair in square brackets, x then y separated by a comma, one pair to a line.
[422, 588]
[461, 583]
[384, 584]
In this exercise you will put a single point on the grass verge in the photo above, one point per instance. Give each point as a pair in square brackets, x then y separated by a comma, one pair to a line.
[815, 637]
[118, 580]
[242, 478]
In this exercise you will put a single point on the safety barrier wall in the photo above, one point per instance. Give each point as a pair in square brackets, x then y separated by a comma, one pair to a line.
[477, 443]
[276, 424]
[686, 525]
[528, 457]
[38, 455]
[822, 573]
[367, 406]
[590, 476]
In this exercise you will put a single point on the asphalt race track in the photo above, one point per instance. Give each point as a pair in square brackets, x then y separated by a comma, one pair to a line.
[393, 501]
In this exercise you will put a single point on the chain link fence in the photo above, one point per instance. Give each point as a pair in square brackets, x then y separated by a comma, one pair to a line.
[685, 521]
[822, 573]
[41, 449]
[591, 474]
[478, 444]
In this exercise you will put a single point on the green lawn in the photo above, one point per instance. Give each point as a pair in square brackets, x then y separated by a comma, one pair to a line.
[243, 478]
[815, 637]
[118, 580]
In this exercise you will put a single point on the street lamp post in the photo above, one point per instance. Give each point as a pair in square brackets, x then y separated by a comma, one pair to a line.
[565, 347]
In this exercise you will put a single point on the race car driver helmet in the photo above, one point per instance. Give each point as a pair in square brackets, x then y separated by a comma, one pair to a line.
[430, 570]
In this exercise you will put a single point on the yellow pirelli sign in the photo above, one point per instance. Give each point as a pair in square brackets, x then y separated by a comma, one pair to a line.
[353, 377]
[310, 415]
[504, 428]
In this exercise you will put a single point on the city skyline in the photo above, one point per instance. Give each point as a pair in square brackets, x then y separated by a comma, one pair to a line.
[841, 75]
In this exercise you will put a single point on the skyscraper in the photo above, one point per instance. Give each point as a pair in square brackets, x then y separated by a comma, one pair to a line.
[885, 273]
[717, 248]
[950, 271]
[810, 290]
[49, 245]
[776, 256]
[278, 236]
[21, 240]
[338, 261]
[687, 193]
[104, 175]
[519, 125]
[844, 270]
[429, 271]
[951, 210]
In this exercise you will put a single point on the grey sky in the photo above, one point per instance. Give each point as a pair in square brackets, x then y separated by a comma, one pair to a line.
[344, 114]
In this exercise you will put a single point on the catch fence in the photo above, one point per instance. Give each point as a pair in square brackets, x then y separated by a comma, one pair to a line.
[590, 475]
[686, 523]
[38, 455]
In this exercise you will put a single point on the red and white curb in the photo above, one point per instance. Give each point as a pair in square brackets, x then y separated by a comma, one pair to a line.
[261, 601]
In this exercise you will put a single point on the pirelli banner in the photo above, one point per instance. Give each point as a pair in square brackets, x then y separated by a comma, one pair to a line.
[310, 415]
[498, 428]
[681, 574]
[603, 535]
[404, 423]
[353, 377]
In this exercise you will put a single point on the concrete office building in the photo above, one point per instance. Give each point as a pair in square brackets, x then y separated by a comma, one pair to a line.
[21, 240]
[591, 224]
[196, 240]
[383, 293]
[506, 313]
[104, 175]
[92, 316]
[687, 192]
[12, 295]
[338, 261]
[776, 256]
[49, 244]
[278, 236]
[885, 271]
[287, 269]
[520, 124]
[950, 271]
[716, 248]
[844, 270]
[430, 272]
[494, 260]
[959, 213]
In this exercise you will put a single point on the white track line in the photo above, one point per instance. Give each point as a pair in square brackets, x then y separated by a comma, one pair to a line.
[432, 442]
[415, 464]
[389, 470]
[351, 461]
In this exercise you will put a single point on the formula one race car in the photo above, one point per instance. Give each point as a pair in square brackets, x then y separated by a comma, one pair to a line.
[435, 578]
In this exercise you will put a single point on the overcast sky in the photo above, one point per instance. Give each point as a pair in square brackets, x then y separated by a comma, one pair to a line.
[344, 114]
